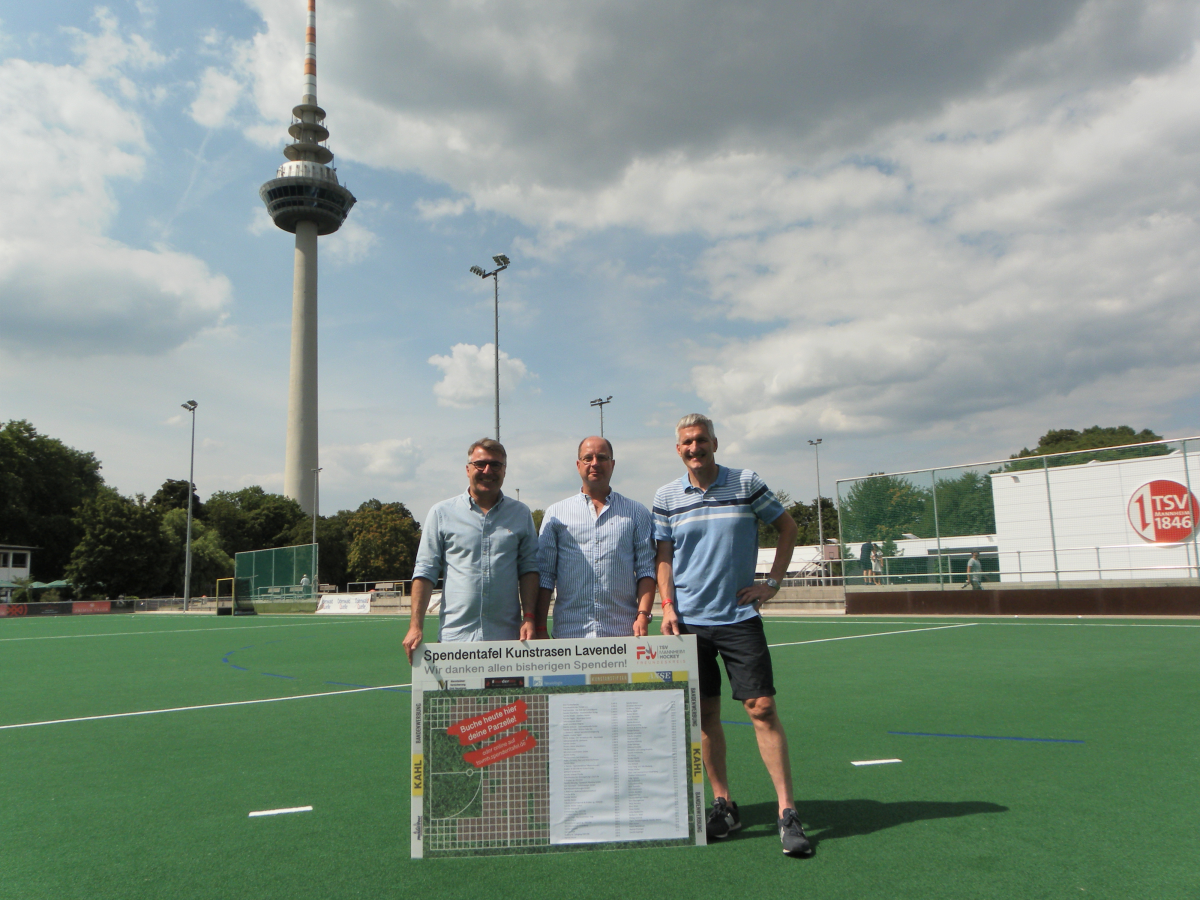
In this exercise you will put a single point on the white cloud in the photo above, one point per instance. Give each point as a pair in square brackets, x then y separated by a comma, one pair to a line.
[69, 288]
[352, 243]
[216, 96]
[445, 208]
[1042, 258]
[393, 460]
[107, 54]
[568, 112]
[469, 375]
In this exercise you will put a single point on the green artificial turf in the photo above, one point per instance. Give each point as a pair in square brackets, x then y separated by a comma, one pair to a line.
[157, 806]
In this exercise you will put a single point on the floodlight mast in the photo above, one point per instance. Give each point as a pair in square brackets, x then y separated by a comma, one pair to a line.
[600, 401]
[816, 445]
[316, 511]
[190, 406]
[502, 263]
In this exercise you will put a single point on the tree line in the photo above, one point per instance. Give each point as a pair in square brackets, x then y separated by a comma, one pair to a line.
[54, 498]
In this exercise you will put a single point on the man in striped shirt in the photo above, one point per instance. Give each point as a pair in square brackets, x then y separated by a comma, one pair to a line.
[597, 549]
[706, 528]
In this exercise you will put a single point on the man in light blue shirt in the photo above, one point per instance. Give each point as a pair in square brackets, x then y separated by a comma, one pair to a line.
[596, 549]
[485, 546]
[706, 529]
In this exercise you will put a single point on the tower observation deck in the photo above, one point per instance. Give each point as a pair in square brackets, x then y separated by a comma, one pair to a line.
[305, 199]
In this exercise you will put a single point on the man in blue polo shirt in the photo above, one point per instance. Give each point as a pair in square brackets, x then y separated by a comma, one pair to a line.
[706, 529]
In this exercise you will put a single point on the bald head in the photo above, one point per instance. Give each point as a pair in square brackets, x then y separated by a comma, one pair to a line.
[607, 443]
[595, 465]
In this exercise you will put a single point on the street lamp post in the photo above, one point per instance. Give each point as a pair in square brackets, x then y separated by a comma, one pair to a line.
[190, 406]
[816, 445]
[600, 401]
[316, 508]
[502, 263]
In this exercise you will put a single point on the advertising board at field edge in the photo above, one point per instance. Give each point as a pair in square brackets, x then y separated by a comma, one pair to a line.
[1163, 512]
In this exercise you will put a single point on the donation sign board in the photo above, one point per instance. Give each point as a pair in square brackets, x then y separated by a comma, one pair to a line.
[544, 746]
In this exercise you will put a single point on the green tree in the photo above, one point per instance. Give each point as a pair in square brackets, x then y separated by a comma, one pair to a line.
[805, 515]
[252, 519]
[964, 506]
[885, 506]
[383, 541]
[538, 515]
[333, 538]
[1080, 445]
[768, 534]
[209, 561]
[173, 495]
[123, 549]
[42, 483]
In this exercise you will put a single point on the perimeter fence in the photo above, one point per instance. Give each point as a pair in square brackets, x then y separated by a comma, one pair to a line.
[1123, 513]
[279, 576]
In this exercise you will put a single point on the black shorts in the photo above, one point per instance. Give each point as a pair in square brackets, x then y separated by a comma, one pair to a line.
[743, 647]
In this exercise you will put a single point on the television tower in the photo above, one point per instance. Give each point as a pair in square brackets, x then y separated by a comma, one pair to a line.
[305, 198]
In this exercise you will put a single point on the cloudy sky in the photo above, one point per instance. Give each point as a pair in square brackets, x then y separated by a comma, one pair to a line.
[925, 232]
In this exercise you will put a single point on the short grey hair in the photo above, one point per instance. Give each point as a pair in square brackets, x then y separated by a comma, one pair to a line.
[493, 447]
[692, 419]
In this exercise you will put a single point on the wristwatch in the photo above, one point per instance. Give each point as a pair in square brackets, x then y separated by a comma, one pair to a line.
[648, 614]
[772, 583]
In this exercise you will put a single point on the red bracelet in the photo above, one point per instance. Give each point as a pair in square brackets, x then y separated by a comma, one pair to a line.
[529, 617]
[667, 603]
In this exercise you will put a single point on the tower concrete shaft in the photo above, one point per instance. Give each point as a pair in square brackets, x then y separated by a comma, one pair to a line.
[301, 455]
[305, 198]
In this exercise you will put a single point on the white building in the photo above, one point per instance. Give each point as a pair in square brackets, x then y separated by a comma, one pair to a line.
[1119, 520]
[15, 562]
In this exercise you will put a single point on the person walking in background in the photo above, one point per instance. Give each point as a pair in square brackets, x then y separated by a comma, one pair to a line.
[865, 560]
[975, 572]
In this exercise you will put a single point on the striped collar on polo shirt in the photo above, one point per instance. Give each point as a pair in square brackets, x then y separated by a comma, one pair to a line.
[722, 477]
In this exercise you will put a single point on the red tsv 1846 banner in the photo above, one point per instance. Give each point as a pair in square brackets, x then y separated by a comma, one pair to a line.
[520, 742]
[473, 729]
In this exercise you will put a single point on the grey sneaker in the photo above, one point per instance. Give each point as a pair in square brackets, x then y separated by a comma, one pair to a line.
[722, 819]
[791, 833]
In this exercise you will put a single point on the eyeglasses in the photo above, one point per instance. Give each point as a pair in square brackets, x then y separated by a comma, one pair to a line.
[485, 464]
[595, 457]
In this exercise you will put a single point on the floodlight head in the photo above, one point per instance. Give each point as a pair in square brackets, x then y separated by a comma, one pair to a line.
[814, 443]
[190, 406]
[475, 270]
[501, 260]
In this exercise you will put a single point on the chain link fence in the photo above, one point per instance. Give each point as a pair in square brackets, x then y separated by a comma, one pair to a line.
[1113, 514]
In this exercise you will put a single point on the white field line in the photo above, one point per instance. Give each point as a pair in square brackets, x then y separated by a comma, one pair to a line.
[215, 630]
[280, 812]
[851, 637]
[1033, 623]
[874, 762]
[155, 712]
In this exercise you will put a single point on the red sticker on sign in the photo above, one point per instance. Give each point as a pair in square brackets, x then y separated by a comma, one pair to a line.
[473, 729]
[514, 744]
[1163, 512]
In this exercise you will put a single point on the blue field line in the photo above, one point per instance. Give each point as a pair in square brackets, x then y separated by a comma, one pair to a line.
[348, 684]
[239, 668]
[986, 737]
[273, 675]
[731, 722]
